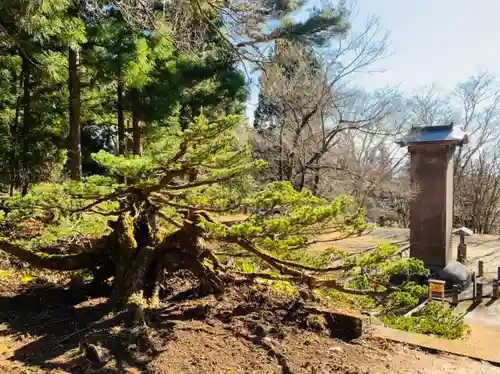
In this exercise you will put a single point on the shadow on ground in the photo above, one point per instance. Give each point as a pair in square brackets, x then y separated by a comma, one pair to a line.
[60, 319]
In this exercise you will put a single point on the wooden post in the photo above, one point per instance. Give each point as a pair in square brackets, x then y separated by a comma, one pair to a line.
[462, 253]
[479, 292]
[494, 293]
[454, 300]
[480, 268]
[473, 280]
[462, 249]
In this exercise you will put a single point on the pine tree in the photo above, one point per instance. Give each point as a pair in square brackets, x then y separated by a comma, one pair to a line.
[191, 166]
[203, 169]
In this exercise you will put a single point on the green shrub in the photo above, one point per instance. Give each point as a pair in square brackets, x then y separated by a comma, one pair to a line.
[434, 319]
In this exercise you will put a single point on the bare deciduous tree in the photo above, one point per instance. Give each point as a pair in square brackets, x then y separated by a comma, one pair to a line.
[309, 105]
[382, 182]
[478, 196]
[479, 102]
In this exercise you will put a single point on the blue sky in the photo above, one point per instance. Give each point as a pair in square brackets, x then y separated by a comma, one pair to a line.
[434, 41]
[439, 42]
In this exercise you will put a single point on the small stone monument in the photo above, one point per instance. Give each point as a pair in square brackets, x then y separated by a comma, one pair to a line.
[462, 247]
[431, 210]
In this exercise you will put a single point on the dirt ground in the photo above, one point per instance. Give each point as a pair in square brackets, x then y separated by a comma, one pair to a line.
[44, 329]
[47, 328]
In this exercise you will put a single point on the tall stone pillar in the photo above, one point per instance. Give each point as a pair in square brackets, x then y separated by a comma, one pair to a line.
[431, 216]
[431, 210]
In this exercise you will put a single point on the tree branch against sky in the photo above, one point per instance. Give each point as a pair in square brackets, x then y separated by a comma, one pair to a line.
[309, 99]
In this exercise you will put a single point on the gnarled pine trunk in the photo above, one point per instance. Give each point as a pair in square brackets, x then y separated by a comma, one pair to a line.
[135, 259]
[139, 261]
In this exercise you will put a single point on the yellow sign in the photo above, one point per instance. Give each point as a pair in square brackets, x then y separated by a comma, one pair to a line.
[436, 287]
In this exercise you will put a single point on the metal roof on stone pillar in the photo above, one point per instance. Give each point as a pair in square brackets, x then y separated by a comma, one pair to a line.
[435, 134]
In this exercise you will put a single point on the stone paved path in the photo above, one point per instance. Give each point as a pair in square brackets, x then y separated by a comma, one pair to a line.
[479, 247]
[484, 248]
[486, 314]
[482, 344]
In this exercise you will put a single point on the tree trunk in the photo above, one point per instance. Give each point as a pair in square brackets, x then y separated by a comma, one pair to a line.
[139, 261]
[317, 178]
[315, 188]
[136, 129]
[74, 148]
[131, 260]
[301, 184]
[14, 129]
[23, 169]
[122, 143]
[282, 154]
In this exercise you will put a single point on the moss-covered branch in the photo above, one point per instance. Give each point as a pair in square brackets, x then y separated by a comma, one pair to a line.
[84, 260]
[301, 277]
